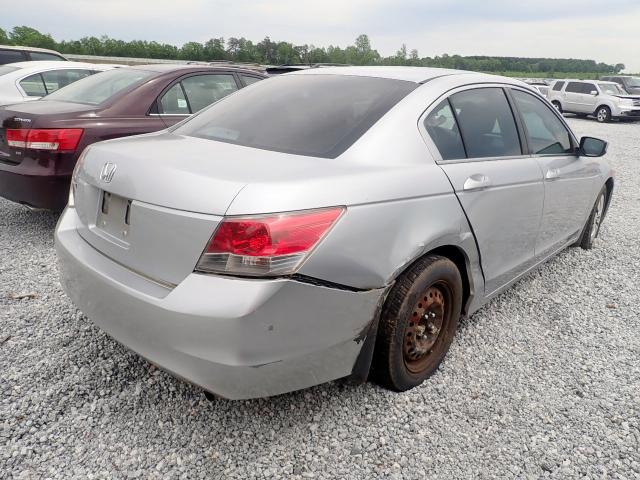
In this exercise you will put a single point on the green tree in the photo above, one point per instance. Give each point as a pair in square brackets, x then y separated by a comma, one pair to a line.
[4, 39]
[30, 37]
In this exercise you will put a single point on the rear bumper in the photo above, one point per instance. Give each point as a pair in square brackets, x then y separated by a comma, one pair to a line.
[236, 338]
[46, 191]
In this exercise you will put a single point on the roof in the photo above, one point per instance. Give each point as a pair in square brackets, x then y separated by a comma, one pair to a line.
[38, 65]
[409, 74]
[172, 67]
[29, 49]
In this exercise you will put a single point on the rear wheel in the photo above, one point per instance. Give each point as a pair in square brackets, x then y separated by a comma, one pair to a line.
[603, 114]
[418, 322]
[556, 104]
[592, 228]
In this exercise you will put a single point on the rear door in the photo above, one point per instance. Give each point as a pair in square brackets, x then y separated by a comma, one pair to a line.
[192, 93]
[499, 187]
[569, 180]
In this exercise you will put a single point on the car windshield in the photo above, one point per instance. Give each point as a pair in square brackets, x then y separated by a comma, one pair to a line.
[611, 88]
[100, 87]
[6, 69]
[316, 115]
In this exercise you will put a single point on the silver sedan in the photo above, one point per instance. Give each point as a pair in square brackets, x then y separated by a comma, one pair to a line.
[329, 223]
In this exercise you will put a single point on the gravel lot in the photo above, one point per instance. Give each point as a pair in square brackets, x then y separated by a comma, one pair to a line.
[543, 382]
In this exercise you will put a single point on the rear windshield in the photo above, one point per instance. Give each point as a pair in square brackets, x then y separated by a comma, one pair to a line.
[100, 87]
[5, 69]
[313, 115]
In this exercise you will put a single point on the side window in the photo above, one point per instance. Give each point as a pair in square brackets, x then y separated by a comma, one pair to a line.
[545, 132]
[11, 56]
[443, 129]
[588, 88]
[56, 79]
[486, 123]
[249, 80]
[558, 86]
[203, 90]
[45, 56]
[574, 87]
[173, 102]
[33, 86]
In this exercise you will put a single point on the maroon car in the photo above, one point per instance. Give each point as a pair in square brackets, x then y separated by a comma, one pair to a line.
[40, 141]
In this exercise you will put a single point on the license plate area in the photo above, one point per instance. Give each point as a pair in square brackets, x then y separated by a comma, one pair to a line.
[114, 216]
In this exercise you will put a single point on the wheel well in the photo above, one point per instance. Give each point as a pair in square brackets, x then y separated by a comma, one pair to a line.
[603, 105]
[609, 185]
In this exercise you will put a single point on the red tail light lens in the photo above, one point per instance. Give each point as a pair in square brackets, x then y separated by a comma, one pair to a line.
[57, 139]
[266, 246]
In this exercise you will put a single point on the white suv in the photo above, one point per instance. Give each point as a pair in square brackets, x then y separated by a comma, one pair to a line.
[604, 100]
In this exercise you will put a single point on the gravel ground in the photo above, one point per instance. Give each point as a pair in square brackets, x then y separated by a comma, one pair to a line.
[542, 382]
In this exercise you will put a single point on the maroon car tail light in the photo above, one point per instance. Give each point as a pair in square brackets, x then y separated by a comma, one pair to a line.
[55, 139]
[269, 245]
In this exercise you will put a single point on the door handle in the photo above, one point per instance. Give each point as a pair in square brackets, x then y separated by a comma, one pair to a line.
[477, 181]
[552, 174]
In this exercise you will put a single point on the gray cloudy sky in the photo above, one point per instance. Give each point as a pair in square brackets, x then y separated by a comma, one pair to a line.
[604, 30]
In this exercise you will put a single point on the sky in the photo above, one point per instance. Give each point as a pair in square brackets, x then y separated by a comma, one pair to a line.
[603, 30]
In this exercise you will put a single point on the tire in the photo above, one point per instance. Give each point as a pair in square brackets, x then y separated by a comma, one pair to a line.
[556, 104]
[407, 351]
[603, 114]
[594, 222]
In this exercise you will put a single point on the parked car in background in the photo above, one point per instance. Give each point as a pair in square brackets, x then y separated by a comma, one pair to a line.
[41, 141]
[24, 81]
[543, 88]
[629, 83]
[13, 54]
[603, 100]
[323, 222]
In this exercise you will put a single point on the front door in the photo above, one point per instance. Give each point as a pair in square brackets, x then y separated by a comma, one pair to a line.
[500, 189]
[569, 180]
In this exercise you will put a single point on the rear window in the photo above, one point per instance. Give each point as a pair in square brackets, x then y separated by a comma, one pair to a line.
[100, 87]
[558, 86]
[6, 69]
[313, 115]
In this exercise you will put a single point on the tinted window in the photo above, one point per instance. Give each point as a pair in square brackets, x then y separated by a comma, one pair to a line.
[33, 86]
[443, 130]
[316, 115]
[45, 56]
[173, 102]
[11, 56]
[100, 87]
[249, 80]
[546, 134]
[57, 79]
[558, 86]
[588, 88]
[486, 123]
[574, 87]
[203, 90]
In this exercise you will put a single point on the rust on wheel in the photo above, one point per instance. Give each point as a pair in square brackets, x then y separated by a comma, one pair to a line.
[427, 322]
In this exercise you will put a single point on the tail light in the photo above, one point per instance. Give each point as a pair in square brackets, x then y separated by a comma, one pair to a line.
[56, 139]
[266, 245]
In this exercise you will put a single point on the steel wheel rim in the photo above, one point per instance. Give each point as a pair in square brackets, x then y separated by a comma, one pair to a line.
[602, 115]
[597, 218]
[426, 326]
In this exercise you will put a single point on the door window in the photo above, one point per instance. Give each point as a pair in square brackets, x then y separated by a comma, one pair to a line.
[174, 102]
[203, 90]
[557, 86]
[33, 85]
[486, 123]
[249, 80]
[588, 88]
[443, 129]
[56, 79]
[546, 134]
[574, 87]
[11, 56]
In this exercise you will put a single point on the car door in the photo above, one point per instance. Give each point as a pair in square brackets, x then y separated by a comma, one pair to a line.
[192, 93]
[500, 189]
[588, 98]
[569, 180]
[571, 97]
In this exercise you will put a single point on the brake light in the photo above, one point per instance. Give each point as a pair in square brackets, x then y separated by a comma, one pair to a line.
[58, 139]
[266, 245]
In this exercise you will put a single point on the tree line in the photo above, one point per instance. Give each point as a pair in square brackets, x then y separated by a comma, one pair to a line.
[272, 52]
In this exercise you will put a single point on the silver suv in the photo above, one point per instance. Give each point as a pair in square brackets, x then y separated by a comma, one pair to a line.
[604, 100]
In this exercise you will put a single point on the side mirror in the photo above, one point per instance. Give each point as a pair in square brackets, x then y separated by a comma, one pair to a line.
[592, 147]
[594, 93]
